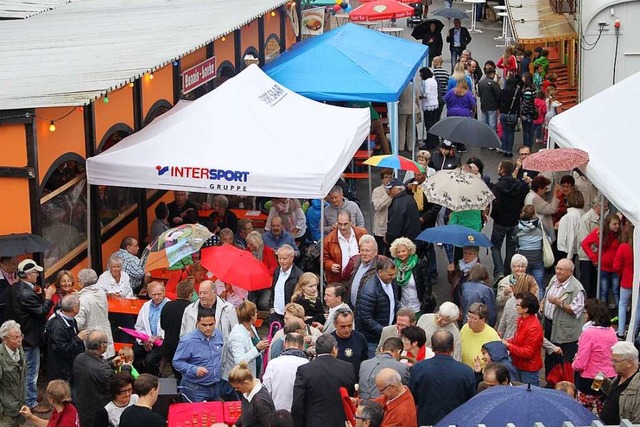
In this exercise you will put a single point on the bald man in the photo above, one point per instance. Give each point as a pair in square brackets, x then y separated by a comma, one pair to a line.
[396, 399]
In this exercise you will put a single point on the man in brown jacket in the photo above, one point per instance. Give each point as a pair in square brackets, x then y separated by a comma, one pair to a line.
[340, 245]
[396, 399]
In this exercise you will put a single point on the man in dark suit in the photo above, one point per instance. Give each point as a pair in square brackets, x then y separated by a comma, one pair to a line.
[316, 395]
[377, 303]
[440, 384]
[458, 40]
[285, 279]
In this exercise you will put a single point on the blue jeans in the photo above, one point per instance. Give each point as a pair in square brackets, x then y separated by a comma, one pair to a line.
[199, 393]
[536, 269]
[609, 282]
[498, 234]
[537, 131]
[479, 11]
[455, 55]
[33, 366]
[529, 377]
[527, 132]
[625, 302]
[508, 133]
[490, 118]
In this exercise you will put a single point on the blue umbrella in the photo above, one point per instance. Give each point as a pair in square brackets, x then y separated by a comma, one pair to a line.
[457, 235]
[451, 13]
[522, 406]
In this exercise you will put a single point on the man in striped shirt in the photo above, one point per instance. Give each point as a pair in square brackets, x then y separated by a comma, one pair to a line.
[442, 77]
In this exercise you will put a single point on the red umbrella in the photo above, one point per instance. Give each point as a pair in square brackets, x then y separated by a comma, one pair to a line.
[235, 266]
[556, 160]
[379, 10]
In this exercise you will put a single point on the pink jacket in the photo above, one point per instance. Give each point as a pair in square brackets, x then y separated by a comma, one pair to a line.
[541, 106]
[594, 352]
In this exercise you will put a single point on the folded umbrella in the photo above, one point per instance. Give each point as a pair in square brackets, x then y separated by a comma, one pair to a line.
[458, 190]
[424, 28]
[235, 266]
[140, 335]
[465, 130]
[556, 160]
[393, 161]
[451, 13]
[22, 243]
[521, 406]
[454, 234]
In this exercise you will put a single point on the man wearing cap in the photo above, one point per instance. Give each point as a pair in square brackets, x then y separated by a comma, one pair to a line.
[404, 218]
[445, 158]
[29, 307]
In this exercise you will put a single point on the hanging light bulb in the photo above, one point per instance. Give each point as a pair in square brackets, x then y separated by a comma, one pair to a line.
[273, 13]
[131, 84]
[224, 39]
[105, 99]
[81, 109]
[151, 75]
[52, 127]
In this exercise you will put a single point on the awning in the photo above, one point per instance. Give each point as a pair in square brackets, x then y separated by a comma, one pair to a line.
[533, 21]
[21, 9]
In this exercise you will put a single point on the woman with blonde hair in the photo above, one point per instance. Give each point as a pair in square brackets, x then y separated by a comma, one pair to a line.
[508, 63]
[64, 413]
[257, 403]
[412, 277]
[507, 325]
[306, 294]
[423, 157]
[244, 344]
[460, 100]
[458, 76]
[64, 286]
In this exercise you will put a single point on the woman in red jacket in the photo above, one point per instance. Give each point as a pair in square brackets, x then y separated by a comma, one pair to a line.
[64, 413]
[623, 265]
[526, 345]
[609, 279]
[508, 63]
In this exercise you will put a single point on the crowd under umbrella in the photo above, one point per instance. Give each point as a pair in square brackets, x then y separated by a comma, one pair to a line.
[22, 243]
[556, 160]
[458, 190]
[174, 245]
[394, 161]
[466, 130]
[424, 28]
[521, 406]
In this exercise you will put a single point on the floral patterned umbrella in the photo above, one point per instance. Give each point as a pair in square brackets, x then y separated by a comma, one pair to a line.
[173, 245]
[458, 190]
[556, 160]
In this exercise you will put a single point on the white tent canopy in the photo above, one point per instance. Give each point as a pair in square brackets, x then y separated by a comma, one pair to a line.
[250, 136]
[603, 126]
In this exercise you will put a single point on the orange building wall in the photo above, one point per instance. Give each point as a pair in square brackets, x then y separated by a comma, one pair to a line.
[249, 36]
[67, 138]
[224, 49]
[193, 58]
[160, 87]
[18, 218]
[14, 148]
[119, 109]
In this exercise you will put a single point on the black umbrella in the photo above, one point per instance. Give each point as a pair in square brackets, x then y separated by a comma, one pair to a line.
[424, 28]
[465, 130]
[23, 243]
[451, 13]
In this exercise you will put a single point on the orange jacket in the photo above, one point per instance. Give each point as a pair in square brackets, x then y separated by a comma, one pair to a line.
[399, 413]
[332, 254]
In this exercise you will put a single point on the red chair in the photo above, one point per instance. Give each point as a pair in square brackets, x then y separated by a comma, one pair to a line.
[170, 288]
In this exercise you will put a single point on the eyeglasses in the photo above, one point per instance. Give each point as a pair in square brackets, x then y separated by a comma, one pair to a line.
[361, 418]
[16, 337]
[384, 388]
[126, 391]
[615, 362]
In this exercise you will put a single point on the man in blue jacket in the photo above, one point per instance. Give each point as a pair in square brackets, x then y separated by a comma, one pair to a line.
[377, 303]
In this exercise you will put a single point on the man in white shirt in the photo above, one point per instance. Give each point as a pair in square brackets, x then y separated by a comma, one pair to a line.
[361, 267]
[339, 246]
[334, 295]
[147, 354]
[285, 279]
[280, 374]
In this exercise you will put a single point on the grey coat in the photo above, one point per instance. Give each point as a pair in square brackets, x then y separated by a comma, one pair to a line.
[12, 383]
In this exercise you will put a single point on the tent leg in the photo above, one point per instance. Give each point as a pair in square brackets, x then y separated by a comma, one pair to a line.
[601, 225]
[413, 119]
[370, 190]
[89, 263]
[634, 293]
[392, 108]
[321, 246]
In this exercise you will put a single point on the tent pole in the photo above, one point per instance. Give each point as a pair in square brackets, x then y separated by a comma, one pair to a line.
[89, 225]
[601, 226]
[369, 179]
[321, 246]
[392, 108]
[634, 292]
[413, 119]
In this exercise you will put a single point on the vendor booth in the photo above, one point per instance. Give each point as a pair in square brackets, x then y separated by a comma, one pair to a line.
[606, 134]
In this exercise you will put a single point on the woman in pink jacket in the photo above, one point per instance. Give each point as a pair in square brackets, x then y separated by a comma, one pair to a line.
[623, 264]
[609, 279]
[594, 354]
[508, 63]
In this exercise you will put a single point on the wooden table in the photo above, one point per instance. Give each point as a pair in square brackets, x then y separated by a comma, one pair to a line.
[195, 414]
[125, 306]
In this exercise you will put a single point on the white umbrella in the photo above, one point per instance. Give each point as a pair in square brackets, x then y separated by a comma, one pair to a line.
[458, 190]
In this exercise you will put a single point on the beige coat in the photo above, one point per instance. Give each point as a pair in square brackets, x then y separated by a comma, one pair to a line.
[381, 202]
[94, 314]
[544, 210]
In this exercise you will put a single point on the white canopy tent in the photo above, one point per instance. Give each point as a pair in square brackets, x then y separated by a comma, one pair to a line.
[250, 136]
[603, 125]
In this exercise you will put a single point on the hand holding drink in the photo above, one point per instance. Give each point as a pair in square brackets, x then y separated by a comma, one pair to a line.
[597, 381]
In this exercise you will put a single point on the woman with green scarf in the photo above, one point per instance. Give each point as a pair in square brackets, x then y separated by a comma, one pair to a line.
[412, 277]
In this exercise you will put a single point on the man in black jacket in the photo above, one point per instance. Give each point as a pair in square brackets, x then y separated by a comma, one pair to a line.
[489, 91]
[404, 218]
[506, 210]
[378, 303]
[285, 279]
[171, 321]
[458, 40]
[29, 307]
[64, 341]
[316, 395]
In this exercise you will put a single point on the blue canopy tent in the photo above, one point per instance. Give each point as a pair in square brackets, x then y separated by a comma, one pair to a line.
[351, 63]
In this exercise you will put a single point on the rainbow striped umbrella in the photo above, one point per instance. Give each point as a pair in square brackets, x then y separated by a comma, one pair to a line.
[393, 161]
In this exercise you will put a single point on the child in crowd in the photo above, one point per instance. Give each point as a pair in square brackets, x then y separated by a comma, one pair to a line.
[541, 107]
[126, 355]
[537, 76]
[549, 81]
[551, 104]
[544, 61]
[525, 62]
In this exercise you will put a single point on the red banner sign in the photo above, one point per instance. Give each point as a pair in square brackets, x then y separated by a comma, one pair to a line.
[198, 75]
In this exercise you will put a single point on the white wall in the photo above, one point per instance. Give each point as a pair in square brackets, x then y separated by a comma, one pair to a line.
[596, 66]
